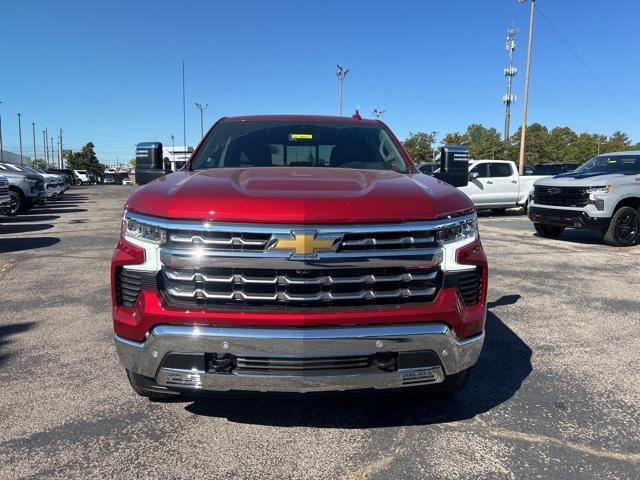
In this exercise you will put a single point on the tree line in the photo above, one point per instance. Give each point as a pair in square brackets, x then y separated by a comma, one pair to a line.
[560, 144]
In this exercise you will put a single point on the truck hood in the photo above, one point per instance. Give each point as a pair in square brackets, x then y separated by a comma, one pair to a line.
[581, 180]
[298, 195]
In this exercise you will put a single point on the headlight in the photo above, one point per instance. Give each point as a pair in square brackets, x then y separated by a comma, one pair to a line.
[467, 229]
[142, 231]
[32, 181]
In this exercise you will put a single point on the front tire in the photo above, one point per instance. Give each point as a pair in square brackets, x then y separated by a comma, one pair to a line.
[17, 204]
[548, 231]
[624, 229]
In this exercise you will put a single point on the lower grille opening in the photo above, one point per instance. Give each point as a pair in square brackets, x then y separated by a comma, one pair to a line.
[470, 286]
[130, 282]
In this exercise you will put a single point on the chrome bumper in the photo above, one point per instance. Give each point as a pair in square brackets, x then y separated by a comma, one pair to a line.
[145, 358]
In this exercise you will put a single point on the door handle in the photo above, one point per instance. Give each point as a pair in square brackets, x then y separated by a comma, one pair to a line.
[489, 181]
[514, 181]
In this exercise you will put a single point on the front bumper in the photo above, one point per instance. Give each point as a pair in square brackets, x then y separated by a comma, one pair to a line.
[149, 358]
[5, 204]
[567, 218]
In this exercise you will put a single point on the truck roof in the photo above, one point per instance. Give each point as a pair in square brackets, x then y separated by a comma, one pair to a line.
[628, 152]
[300, 118]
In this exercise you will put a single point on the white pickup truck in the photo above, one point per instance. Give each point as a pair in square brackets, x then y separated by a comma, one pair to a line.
[496, 185]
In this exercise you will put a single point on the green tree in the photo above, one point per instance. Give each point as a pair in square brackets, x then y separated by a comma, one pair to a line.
[484, 142]
[39, 162]
[456, 138]
[86, 159]
[617, 142]
[419, 146]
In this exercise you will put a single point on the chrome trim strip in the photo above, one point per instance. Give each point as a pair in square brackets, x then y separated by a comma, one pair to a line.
[145, 357]
[285, 280]
[195, 253]
[315, 297]
[286, 229]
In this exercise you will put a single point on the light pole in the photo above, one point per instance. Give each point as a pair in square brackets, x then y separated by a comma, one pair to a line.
[44, 146]
[33, 129]
[523, 132]
[378, 113]
[173, 152]
[20, 135]
[202, 108]
[342, 73]
[1, 151]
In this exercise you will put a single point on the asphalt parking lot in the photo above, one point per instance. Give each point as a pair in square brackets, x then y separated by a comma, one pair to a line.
[556, 393]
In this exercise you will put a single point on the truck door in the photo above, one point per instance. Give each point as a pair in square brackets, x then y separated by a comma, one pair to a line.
[477, 188]
[502, 184]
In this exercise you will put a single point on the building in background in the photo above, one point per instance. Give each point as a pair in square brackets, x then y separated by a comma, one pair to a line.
[10, 157]
[177, 156]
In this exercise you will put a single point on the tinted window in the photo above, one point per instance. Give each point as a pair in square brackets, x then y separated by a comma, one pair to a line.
[482, 169]
[297, 144]
[629, 164]
[500, 170]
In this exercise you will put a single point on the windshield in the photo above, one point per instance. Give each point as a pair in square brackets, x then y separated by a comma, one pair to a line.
[628, 164]
[298, 144]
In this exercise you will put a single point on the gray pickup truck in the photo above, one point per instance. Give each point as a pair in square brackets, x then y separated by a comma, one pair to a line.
[25, 190]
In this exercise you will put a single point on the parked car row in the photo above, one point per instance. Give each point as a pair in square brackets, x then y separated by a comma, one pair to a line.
[27, 186]
[603, 194]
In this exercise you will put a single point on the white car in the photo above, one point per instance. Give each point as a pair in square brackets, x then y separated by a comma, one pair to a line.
[603, 194]
[83, 176]
[127, 181]
[496, 185]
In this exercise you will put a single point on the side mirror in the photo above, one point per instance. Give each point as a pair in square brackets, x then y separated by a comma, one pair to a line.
[473, 175]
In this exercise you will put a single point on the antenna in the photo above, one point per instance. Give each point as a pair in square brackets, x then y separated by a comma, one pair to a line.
[509, 73]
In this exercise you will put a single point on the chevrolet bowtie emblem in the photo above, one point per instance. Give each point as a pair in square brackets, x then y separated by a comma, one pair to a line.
[304, 244]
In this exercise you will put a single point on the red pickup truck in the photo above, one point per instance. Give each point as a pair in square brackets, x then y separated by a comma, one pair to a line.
[298, 254]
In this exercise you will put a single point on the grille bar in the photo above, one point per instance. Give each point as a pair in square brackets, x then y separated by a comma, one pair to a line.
[561, 196]
[287, 297]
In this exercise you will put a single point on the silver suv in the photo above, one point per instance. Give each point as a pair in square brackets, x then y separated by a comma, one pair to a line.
[5, 198]
[25, 189]
[602, 194]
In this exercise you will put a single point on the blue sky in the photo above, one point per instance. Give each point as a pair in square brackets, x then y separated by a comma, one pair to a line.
[110, 71]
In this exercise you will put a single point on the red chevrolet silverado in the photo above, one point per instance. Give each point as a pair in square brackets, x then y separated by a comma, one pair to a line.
[298, 254]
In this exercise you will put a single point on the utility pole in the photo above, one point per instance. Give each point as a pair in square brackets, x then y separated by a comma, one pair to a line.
[378, 113]
[173, 145]
[61, 152]
[20, 136]
[202, 108]
[509, 73]
[52, 150]
[342, 73]
[526, 89]
[44, 147]
[1, 146]
[184, 110]
[434, 135]
[33, 128]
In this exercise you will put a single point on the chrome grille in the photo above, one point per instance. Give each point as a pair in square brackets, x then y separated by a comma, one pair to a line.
[212, 287]
[223, 241]
[300, 366]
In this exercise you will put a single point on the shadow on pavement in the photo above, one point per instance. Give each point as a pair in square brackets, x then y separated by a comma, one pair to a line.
[584, 237]
[504, 364]
[20, 244]
[46, 209]
[6, 331]
[27, 217]
[23, 228]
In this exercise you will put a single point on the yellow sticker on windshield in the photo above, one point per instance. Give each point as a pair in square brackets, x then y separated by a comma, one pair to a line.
[300, 136]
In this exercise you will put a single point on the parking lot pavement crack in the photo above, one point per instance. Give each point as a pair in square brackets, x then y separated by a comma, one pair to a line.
[400, 444]
[480, 427]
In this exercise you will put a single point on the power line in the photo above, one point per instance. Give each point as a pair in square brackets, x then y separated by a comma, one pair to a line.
[588, 69]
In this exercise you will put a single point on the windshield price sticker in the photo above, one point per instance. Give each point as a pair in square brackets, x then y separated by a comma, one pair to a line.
[300, 136]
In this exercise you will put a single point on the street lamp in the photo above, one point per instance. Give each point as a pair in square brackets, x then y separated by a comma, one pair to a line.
[20, 135]
[523, 132]
[1, 151]
[33, 128]
[202, 108]
[342, 73]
